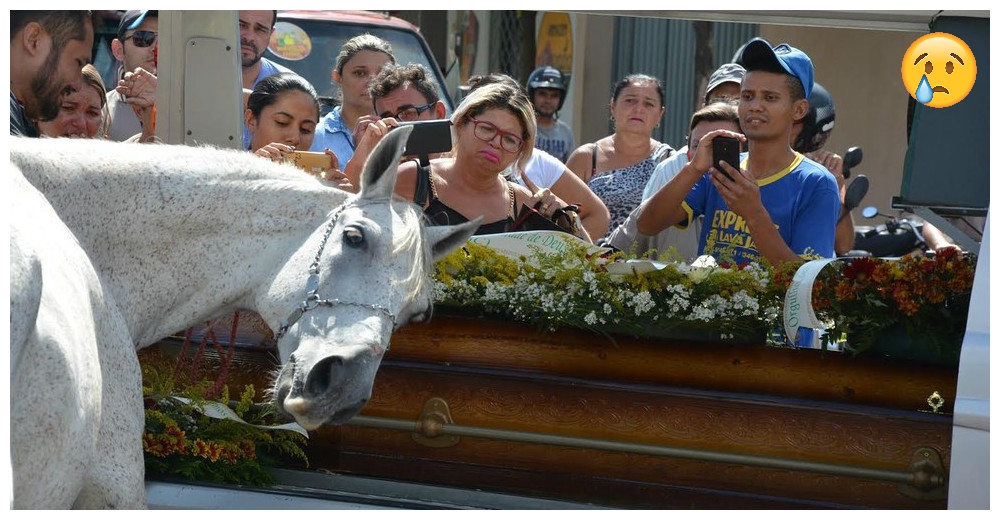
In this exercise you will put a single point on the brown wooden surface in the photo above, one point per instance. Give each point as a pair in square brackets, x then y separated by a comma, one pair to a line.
[755, 400]
[865, 437]
[790, 372]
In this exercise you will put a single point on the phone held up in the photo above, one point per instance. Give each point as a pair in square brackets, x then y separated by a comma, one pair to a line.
[726, 149]
[314, 163]
[428, 137]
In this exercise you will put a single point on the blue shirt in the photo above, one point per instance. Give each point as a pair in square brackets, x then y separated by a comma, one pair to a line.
[802, 200]
[332, 133]
[267, 68]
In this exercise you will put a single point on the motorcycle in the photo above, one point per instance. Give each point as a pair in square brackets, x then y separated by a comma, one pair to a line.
[858, 187]
[898, 236]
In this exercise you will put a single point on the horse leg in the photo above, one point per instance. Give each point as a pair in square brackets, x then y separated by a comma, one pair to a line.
[55, 384]
[25, 296]
[117, 479]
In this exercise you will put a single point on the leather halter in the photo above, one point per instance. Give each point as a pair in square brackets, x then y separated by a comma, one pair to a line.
[312, 287]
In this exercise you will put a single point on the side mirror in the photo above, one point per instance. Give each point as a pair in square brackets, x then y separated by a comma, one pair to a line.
[852, 158]
[856, 191]
[869, 212]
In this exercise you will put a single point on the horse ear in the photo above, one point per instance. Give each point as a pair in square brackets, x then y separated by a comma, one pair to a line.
[378, 178]
[445, 239]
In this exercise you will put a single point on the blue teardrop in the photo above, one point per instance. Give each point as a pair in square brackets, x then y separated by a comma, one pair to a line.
[924, 92]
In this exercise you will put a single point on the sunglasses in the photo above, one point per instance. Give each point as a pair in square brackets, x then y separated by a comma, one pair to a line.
[409, 113]
[487, 131]
[142, 38]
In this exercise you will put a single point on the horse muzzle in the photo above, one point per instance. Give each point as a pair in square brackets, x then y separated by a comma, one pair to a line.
[329, 389]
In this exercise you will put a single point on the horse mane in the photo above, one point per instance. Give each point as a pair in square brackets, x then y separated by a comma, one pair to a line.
[194, 181]
[138, 198]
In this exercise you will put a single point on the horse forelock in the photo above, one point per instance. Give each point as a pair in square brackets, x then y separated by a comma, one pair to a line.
[412, 237]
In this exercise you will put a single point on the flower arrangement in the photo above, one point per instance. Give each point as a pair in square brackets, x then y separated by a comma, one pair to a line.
[577, 290]
[180, 440]
[927, 297]
[855, 297]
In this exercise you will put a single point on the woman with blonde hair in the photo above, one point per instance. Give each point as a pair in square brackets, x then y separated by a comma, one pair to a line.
[83, 111]
[493, 128]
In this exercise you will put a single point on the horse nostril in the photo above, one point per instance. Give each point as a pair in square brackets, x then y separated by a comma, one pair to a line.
[324, 374]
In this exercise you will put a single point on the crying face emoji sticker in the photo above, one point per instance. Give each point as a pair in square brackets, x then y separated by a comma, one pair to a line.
[939, 70]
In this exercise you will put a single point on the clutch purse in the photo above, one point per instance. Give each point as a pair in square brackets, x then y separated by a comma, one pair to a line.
[529, 219]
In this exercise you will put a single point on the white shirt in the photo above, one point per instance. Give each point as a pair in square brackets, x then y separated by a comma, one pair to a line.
[542, 168]
[665, 171]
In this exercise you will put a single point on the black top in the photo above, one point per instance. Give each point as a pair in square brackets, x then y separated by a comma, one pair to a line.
[440, 214]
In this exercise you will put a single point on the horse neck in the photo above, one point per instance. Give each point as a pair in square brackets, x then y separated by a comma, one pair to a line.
[181, 234]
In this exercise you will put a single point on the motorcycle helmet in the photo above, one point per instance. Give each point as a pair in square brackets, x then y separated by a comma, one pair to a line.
[817, 125]
[547, 77]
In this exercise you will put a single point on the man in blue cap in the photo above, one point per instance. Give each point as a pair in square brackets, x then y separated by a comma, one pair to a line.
[779, 206]
[130, 102]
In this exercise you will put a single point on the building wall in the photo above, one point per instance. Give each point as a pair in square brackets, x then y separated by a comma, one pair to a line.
[592, 80]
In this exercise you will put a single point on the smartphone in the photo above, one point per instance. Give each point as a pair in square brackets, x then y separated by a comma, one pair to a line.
[726, 149]
[312, 162]
[428, 137]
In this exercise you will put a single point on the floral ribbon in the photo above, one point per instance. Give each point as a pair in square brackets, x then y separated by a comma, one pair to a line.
[798, 310]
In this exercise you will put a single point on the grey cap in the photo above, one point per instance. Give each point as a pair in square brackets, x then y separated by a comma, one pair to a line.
[727, 73]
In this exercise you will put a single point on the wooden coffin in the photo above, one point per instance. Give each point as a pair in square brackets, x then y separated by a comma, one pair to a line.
[638, 423]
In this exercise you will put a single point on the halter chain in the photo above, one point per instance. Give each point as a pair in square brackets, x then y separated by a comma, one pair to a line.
[312, 286]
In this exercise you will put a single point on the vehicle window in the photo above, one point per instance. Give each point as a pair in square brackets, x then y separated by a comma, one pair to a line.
[319, 41]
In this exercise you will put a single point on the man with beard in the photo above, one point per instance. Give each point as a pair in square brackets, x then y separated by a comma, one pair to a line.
[130, 102]
[48, 50]
[255, 34]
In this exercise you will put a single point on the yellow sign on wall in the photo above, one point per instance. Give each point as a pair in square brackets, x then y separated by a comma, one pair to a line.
[555, 42]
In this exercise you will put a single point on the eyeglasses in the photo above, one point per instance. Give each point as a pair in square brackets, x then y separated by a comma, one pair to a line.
[142, 38]
[487, 131]
[409, 113]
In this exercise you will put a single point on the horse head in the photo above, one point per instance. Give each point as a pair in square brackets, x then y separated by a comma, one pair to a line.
[368, 276]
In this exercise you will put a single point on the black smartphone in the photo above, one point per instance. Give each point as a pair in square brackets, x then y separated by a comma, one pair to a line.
[726, 149]
[427, 137]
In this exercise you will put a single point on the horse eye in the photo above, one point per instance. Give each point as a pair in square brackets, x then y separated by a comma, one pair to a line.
[354, 237]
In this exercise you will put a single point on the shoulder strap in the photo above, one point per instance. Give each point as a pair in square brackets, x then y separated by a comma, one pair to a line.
[423, 184]
[510, 192]
[593, 160]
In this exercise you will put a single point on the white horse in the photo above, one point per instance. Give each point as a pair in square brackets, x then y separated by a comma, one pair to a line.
[76, 395]
[181, 234]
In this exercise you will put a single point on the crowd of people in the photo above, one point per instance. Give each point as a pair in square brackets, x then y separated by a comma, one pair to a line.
[511, 153]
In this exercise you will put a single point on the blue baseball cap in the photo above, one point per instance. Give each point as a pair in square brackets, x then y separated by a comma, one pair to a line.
[133, 19]
[758, 54]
